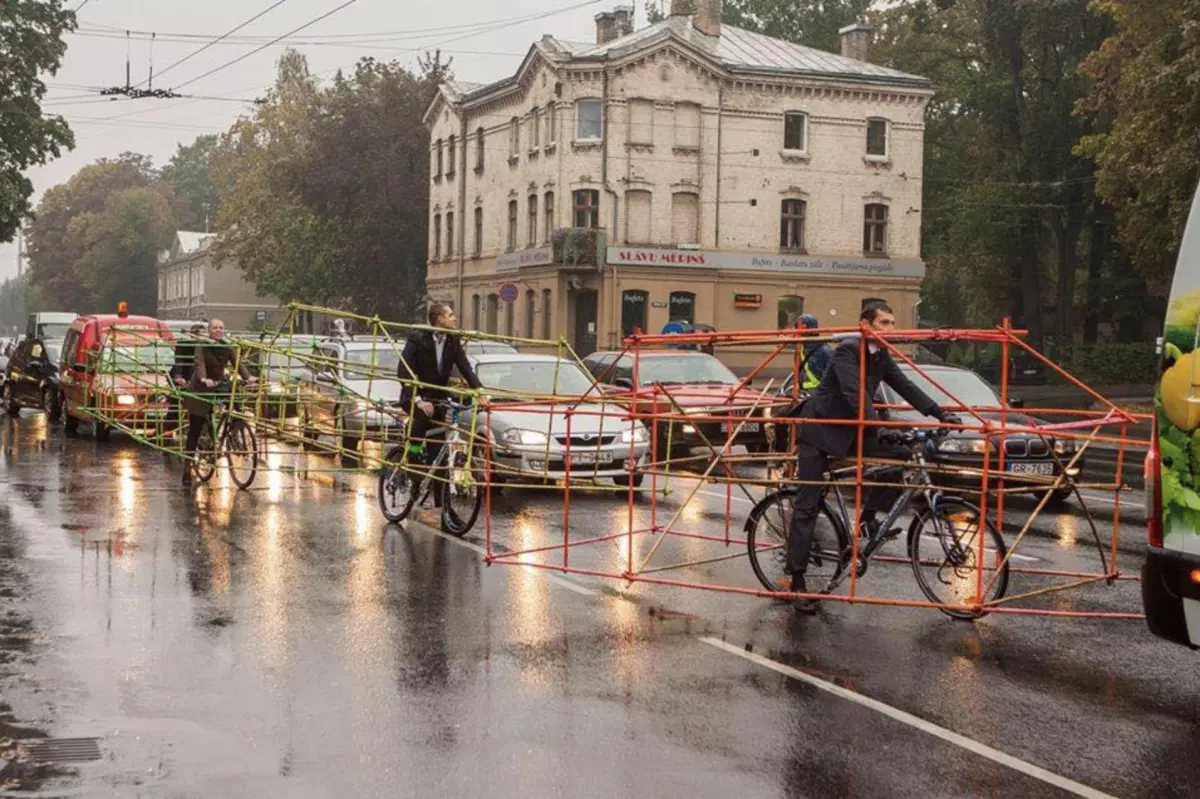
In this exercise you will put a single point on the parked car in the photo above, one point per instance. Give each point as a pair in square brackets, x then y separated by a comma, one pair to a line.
[533, 442]
[31, 379]
[281, 366]
[49, 324]
[702, 385]
[488, 347]
[343, 389]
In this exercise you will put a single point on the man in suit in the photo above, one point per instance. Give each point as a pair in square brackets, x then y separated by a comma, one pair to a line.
[425, 365]
[836, 397]
[210, 361]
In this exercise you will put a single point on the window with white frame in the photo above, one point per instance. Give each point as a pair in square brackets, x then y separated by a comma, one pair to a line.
[514, 137]
[877, 137]
[589, 120]
[875, 219]
[795, 131]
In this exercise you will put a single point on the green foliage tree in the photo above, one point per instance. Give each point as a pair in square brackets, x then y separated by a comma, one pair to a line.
[189, 173]
[31, 43]
[814, 24]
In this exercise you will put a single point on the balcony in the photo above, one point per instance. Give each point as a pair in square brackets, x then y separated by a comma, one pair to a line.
[576, 246]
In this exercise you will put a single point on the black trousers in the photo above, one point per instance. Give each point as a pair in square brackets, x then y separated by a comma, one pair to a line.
[418, 429]
[195, 430]
[811, 465]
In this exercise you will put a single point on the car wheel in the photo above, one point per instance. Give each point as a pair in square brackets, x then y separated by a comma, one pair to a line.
[50, 404]
[100, 430]
[13, 408]
[70, 423]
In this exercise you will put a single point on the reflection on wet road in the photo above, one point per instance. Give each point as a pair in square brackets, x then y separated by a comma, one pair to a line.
[286, 642]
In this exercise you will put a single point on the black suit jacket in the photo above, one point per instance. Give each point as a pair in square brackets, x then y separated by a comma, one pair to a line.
[837, 398]
[419, 360]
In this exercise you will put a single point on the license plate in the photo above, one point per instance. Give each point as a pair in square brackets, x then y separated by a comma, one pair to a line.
[1032, 468]
[1029, 372]
[591, 457]
[748, 427]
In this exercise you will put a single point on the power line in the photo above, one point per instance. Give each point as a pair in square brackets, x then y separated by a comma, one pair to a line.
[81, 5]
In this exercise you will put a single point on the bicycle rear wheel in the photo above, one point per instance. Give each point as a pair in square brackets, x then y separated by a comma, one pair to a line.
[943, 545]
[396, 495]
[205, 463]
[241, 452]
[766, 539]
[462, 492]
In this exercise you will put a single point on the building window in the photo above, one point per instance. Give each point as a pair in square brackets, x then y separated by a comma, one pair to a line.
[449, 234]
[514, 137]
[587, 208]
[493, 308]
[437, 159]
[452, 156]
[530, 299]
[479, 149]
[512, 225]
[533, 225]
[478, 232]
[475, 311]
[875, 229]
[508, 318]
[535, 128]
[791, 225]
[549, 215]
[546, 315]
[789, 307]
[633, 310]
[795, 131]
[637, 217]
[641, 122]
[685, 218]
[687, 126]
[551, 124]
[437, 236]
[589, 120]
[877, 138]
[682, 306]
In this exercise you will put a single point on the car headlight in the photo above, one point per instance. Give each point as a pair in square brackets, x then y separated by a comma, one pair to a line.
[523, 438]
[275, 388]
[965, 446]
[126, 399]
[1064, 447]
[637, 435]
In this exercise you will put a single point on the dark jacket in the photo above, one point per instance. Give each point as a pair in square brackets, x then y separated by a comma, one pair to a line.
[211, 361]
[837, 398]
[419, 360]
[185, 357]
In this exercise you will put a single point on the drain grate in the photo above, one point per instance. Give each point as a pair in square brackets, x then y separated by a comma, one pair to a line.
[62, 750]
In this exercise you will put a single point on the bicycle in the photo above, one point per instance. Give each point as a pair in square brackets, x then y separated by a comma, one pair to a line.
[230, 436]
[460, 492]
[949, 524]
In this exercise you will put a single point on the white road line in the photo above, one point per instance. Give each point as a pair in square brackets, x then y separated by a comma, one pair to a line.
[548, 575]
[1013, 556]
[721, 497]
[1015, 763]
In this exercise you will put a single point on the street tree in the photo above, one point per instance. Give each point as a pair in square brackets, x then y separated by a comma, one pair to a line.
[31, 44]
[189, 173]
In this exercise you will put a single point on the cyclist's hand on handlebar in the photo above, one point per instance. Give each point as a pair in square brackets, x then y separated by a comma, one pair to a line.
[949, 419]
[890, 435]
[426, 407]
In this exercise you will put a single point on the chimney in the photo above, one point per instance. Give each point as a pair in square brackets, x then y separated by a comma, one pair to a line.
[681, 8]
[856, 38]
[606, 27]
[707, 17]
[624, 15]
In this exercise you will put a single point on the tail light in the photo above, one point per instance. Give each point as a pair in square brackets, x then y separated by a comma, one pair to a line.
[1154, 514]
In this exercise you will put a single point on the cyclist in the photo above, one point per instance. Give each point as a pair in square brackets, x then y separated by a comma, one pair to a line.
[817, 355]
[425, 365]
[836, 397]
[208, 370]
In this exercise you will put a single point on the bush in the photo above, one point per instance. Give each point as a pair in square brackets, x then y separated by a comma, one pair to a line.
[1109, 363]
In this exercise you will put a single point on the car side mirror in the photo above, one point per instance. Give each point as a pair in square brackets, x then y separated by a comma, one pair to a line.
[1016, 402]
[623, 382]
[78, 368]
[325, 377]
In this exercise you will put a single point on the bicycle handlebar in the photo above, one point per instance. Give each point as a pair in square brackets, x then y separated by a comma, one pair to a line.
[912, 436]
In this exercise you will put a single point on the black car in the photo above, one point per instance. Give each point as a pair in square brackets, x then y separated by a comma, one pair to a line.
[31, 380]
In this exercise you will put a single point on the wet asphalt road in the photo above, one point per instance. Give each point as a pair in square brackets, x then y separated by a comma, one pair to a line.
[286, 642]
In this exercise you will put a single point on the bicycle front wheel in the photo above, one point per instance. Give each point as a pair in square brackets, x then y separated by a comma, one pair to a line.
[396, 494]
[241, 452]
[462, 493]
[944, 544]
[205, 463]
[766, 538]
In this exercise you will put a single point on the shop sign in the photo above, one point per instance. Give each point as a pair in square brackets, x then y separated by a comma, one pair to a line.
[767, 262]
[537, 256]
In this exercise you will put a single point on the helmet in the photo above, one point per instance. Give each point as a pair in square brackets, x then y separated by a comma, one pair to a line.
[808, 321]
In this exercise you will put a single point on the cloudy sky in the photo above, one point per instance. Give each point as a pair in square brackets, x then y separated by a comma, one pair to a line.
[486, 38]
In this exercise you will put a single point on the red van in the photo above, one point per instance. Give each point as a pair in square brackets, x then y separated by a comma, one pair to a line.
[115, 371]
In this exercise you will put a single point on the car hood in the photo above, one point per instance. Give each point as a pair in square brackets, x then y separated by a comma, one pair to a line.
[129, 382]
[1013, 418]
[590, 419]
[701, 395]
[378, 390]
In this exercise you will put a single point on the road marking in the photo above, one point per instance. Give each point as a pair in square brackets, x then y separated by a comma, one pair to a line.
[1013, 556]
[971, 745]
[722, 497]
[570, 585]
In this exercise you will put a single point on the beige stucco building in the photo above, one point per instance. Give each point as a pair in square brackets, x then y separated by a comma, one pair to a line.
[734, 179]
[190, 286]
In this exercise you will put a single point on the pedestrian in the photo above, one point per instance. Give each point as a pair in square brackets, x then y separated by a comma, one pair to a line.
[817, 355]
[836, 397]
[210, 362]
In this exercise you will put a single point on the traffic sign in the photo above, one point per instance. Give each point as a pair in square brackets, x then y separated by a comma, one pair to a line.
[260, 316]
[508, 292]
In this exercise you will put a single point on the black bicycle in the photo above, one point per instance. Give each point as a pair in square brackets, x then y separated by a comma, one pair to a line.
[454, 477]
[226, 436]
[943, 536]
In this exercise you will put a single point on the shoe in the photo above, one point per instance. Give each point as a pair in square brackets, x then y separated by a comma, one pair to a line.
[799, 585]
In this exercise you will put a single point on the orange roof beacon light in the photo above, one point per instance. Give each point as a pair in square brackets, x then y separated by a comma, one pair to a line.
[122, 309]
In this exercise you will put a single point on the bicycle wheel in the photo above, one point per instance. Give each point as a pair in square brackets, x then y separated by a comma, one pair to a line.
[462, 492]
[240, 446]
[205, 463]
[766, 539]
[396, 495]
[943, 545]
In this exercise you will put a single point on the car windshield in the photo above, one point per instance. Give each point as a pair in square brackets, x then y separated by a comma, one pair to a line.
[53, 329]
[682, 369]
[282, 363]
[136, 358]
[363, 363]
[489, 348]
[53, 351]
[968, 387]
[561, 378]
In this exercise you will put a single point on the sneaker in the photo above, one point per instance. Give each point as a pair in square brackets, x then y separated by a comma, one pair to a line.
[799, 585]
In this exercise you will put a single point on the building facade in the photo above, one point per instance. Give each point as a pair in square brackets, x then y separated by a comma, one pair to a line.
[191, 287]
[686, 171]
